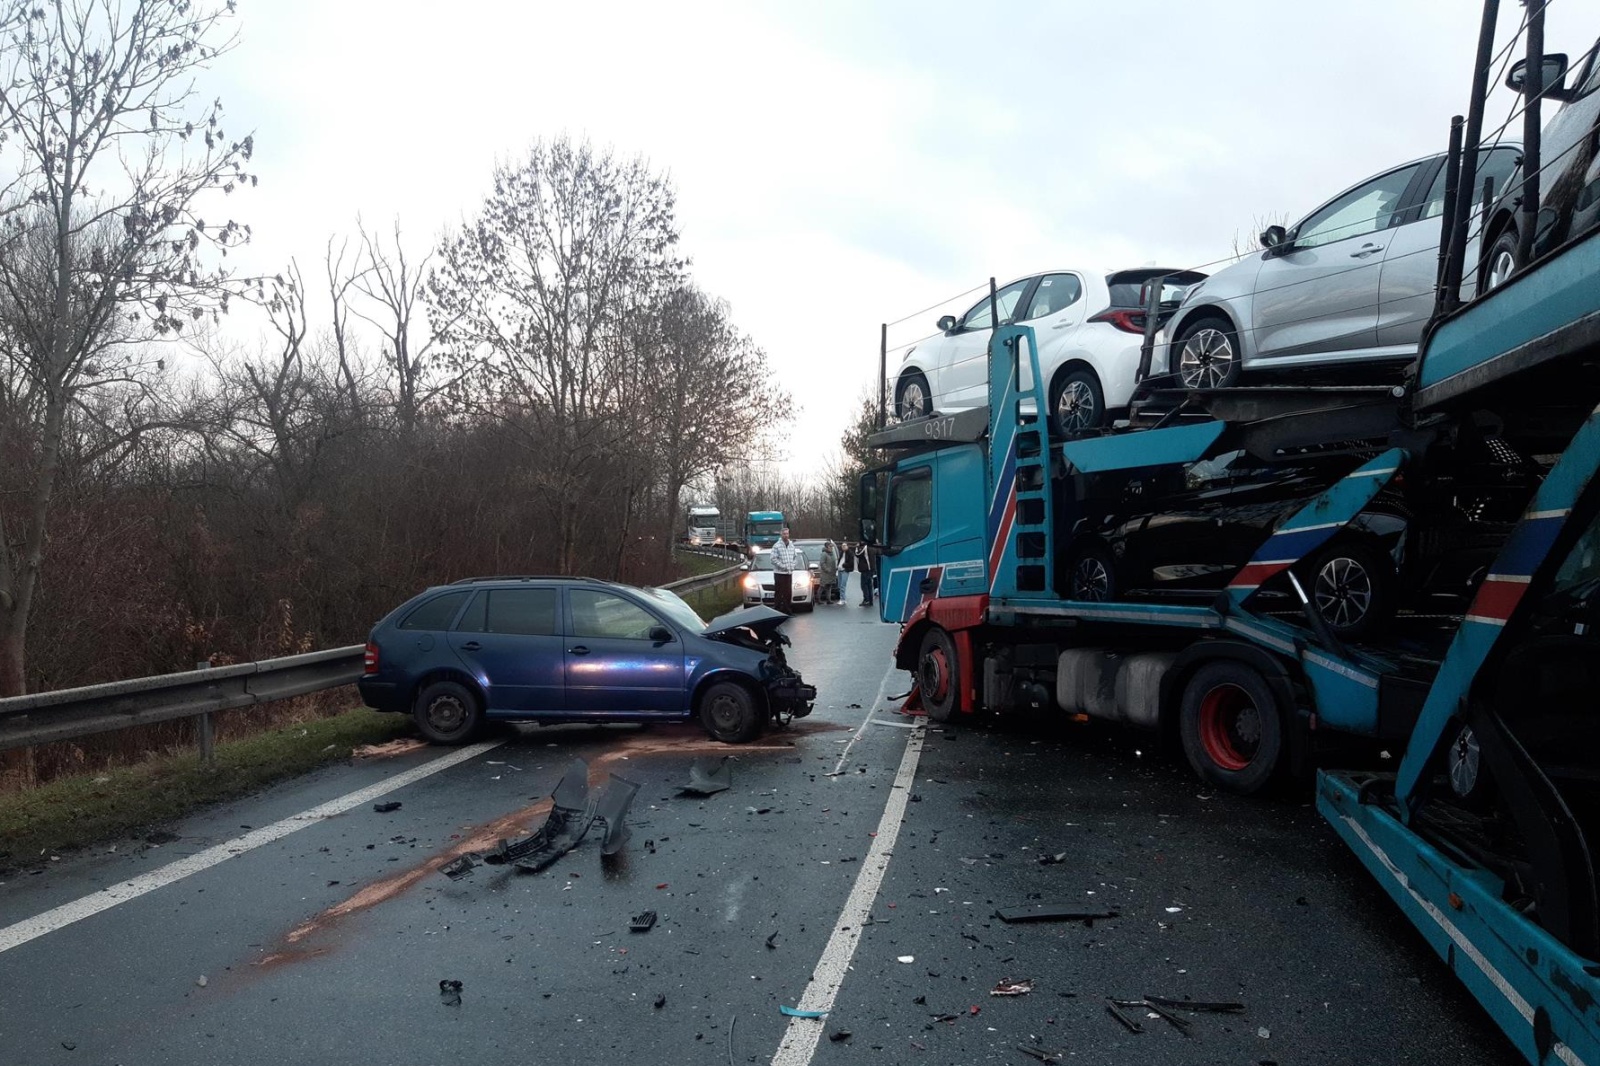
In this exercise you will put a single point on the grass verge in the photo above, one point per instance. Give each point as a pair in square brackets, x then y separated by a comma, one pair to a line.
[688, 564]
[719, 599]
[87, 808]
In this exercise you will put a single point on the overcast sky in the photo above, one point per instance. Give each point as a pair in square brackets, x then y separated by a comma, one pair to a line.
[843, 164]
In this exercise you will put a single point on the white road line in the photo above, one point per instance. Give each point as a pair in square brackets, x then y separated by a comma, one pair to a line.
[800, 1039]
[77, 910]
[883, 688]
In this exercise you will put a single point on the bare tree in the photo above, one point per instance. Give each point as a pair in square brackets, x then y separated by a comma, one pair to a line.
[712, 400]
[396, 289]
[531, 302]
[112, 154]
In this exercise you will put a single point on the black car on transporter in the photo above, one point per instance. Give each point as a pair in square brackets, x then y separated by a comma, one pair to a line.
[1181, 532]
[572, 649]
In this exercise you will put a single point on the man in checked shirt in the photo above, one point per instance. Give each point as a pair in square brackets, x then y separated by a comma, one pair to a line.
[786, 559]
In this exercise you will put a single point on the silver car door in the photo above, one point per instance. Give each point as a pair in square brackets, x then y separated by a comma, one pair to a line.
[1411, 261]
[1319, 294]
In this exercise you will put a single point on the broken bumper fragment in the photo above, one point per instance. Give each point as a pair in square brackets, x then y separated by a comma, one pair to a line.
[572, 812]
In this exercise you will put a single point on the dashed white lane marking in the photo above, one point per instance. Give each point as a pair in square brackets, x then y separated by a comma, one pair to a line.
[800, 1038]
[883, 688]
[79, 909]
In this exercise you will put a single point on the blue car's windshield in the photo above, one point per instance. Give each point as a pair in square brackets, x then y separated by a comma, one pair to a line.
[673, 606]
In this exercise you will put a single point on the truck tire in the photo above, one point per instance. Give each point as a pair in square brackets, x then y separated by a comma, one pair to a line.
[1231, 727]
[729, 713]
[448, 712]
[938, 675]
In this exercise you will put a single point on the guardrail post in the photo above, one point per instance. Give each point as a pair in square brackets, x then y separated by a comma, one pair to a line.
[208, 736]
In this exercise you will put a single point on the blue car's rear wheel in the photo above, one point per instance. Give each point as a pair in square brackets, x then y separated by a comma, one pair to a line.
[729, 713]
[448, 713]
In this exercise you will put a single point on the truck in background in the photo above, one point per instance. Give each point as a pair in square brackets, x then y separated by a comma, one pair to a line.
[761, 528]
[704, 527]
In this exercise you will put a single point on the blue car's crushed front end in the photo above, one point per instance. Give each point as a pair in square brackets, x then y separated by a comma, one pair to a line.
[757, 629]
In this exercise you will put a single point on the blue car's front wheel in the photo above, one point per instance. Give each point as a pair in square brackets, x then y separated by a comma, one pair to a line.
[448, 713]
[729, 713]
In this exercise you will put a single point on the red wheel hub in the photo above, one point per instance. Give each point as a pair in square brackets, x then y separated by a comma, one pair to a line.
[935, 680]
[1230, 727]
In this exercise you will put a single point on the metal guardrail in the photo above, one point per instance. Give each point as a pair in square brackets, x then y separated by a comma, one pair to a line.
[79, 712]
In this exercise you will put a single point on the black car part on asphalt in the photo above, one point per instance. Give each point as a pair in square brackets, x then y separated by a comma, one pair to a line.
[572, 812]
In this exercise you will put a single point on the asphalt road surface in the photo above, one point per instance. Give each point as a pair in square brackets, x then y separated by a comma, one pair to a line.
[855, 866]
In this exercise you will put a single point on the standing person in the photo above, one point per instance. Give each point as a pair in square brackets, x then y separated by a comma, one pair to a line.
[847, 566]
[828, 574]
[865, 558]
[785, 558]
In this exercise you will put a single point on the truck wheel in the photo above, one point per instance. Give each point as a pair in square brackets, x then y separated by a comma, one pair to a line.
[1231, 727]
[938, 675]
[729, 713]
[448, 713]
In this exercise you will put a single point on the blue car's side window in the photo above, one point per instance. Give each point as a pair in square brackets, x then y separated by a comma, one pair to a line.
[436, 613]
[527, 612]
[601, 614]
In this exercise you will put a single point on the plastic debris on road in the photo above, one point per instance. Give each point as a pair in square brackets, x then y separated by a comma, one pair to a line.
[707, 778]
[795, 1012]
[1008, 987]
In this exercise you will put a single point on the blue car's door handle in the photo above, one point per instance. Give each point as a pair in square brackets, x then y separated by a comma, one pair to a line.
[471, 645]
[579, 650]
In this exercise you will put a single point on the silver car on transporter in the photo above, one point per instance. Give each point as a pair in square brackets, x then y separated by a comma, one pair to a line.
[1351, 282]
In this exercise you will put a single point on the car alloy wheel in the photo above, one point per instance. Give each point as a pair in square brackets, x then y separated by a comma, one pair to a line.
[914, 399]
[1501, 267]
[1343, 592]
[1091, 580]
[1207, 359]
[1463, 760]
[1076, 409]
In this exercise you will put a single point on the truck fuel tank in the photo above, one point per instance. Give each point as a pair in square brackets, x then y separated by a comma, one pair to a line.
[1118, 686]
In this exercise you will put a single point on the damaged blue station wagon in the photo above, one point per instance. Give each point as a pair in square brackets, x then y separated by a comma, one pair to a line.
[562, 649]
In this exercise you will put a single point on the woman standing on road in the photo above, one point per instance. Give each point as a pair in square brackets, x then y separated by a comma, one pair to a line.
[828, 574]
[847, 565]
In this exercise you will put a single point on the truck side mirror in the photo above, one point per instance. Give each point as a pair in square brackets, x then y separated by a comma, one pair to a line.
[869, 530]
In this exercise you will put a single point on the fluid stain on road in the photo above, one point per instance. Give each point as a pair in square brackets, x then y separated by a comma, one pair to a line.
[672, 740]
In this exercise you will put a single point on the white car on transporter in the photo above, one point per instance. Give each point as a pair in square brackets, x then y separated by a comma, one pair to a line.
[1090, 327]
